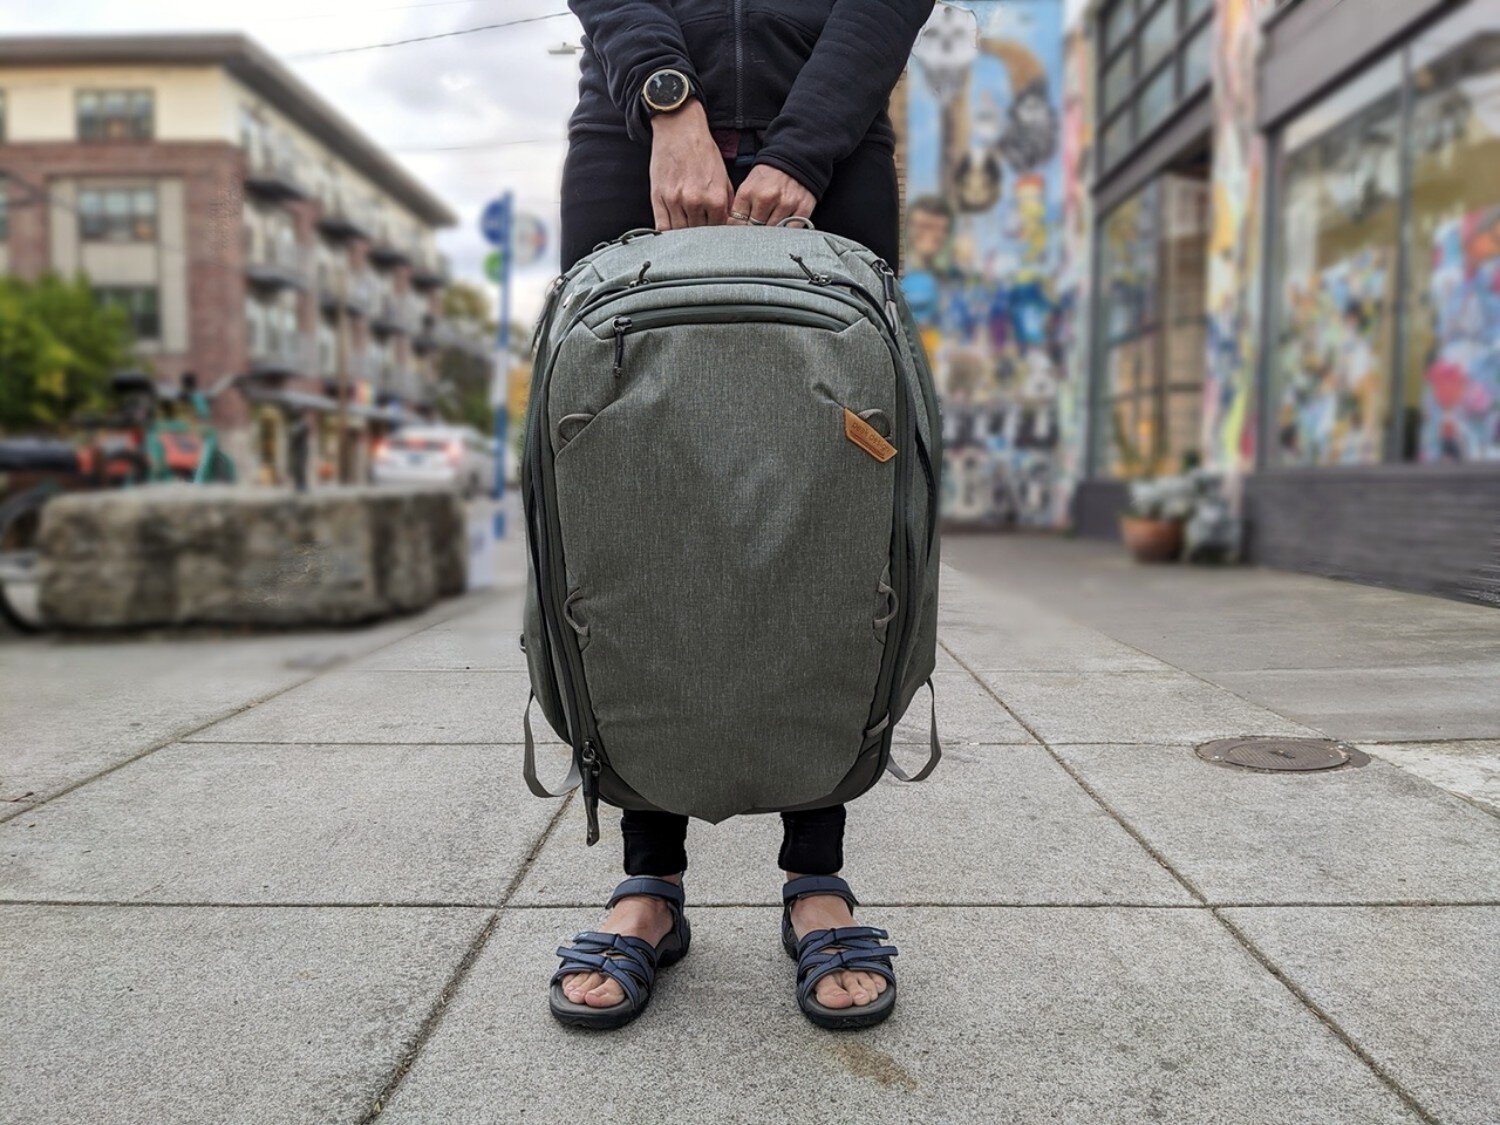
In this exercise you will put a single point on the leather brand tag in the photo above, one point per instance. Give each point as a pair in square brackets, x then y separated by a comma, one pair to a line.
[867, 437]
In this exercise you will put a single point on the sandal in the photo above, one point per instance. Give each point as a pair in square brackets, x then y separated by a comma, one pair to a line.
[828, 951]
[632, 962]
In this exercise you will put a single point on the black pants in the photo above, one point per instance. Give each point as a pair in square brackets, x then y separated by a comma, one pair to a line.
[606, 191]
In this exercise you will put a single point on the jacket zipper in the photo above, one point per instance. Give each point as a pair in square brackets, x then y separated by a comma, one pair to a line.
[739, 63]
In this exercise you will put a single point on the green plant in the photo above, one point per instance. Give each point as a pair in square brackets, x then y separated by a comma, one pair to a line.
[1163, 498]
[58, 348]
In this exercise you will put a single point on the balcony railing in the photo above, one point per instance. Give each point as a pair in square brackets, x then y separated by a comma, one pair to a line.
[343, 217]
[429, 269]
[272, 169]
[279, 353]
[275, 264]
[393, 313]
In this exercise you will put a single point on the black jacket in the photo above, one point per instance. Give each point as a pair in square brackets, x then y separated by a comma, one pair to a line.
[814, 74]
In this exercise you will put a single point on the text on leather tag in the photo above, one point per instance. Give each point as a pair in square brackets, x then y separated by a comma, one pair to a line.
[867, 437]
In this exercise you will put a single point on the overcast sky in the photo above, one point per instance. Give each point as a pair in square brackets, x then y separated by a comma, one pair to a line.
[471, 115]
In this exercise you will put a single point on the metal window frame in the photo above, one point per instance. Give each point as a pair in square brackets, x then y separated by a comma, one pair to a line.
[1188, 28]
[1392, 451]
[149, 133]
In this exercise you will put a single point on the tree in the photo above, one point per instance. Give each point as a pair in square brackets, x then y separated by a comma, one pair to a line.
[58, 349]
[464, 373]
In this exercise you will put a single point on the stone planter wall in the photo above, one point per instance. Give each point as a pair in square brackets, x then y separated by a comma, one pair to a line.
[225, 555]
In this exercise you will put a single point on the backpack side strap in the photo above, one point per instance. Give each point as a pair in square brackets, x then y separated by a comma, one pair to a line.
[935, 747]
[528, 767]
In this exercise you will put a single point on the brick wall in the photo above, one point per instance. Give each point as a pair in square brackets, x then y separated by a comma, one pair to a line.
[1429, 528]
[212, 174]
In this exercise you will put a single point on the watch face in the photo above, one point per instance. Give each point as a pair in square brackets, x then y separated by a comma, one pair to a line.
[666, 90]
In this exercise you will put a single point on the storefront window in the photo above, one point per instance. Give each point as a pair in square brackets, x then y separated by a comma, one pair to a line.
[1340, 197]
[1395, 176]
[1452, 386]
[1149, 402]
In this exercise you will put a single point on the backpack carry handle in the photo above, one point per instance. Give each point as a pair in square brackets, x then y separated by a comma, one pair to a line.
[803, 219]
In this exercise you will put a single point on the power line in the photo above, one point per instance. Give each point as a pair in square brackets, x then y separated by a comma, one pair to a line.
[427, 38]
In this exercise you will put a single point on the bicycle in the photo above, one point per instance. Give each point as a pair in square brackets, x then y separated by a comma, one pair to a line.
[147, 442]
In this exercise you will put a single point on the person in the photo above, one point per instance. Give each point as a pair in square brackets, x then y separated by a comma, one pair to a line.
[746, 112]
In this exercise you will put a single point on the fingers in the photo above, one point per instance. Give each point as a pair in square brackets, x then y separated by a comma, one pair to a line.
[768, 196]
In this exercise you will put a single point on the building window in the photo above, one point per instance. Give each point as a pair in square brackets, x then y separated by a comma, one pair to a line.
[1452, 391]
[117, 214]
[1379, 183]
[138, 303]
[116, 115]
[1153, 262]
[1156, 55]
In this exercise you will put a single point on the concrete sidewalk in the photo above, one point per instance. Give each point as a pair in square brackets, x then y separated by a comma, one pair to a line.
[297, 879]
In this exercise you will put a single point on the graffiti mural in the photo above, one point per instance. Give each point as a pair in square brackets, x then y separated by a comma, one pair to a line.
[984, 198]
[1461, 392]
[1330, 409]
[1234, 314]
[1074, 269]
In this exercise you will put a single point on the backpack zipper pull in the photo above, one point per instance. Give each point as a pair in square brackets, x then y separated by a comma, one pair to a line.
[812, 276]
[590, 760]
[622, 326]
[887, 280]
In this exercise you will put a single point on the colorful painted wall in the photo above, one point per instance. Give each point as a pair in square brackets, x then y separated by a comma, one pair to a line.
[985, 267]
[1234, 305]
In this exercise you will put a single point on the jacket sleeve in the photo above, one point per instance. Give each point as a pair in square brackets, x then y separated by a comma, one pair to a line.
[842, 87]
[633, 39]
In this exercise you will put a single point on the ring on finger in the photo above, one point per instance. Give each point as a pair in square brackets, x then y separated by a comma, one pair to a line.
[742, 216]
[754, 222]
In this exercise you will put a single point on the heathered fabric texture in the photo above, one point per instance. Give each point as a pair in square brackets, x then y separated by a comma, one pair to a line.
[728, 550]
[731, 651]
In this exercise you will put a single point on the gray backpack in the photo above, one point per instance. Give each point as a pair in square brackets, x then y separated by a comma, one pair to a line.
[731, 483]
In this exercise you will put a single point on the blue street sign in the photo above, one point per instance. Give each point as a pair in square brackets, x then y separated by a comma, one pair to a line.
[494, 224]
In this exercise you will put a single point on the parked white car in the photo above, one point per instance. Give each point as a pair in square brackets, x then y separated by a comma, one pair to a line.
[456, 455]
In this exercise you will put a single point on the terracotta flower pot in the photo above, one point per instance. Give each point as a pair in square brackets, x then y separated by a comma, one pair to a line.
[1151, 540]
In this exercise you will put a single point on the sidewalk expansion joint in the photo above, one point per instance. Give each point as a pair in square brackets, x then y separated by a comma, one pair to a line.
[1078, 779]
[1216, 911]
[1333, 1026]
[185, 735]
[434, 1017]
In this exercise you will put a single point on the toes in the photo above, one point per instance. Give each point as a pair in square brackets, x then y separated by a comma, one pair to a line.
[575, 986]
[861, 991]
[606, 995]
[831, 991]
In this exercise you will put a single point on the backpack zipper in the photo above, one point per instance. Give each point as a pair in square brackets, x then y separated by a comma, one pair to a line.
[739, 313]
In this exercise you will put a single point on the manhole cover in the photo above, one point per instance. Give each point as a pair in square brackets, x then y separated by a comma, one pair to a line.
[1270, 753]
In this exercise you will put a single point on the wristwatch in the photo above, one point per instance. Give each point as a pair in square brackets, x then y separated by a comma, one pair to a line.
[666, 90]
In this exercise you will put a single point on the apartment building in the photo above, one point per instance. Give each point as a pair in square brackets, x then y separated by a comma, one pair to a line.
[245, 226]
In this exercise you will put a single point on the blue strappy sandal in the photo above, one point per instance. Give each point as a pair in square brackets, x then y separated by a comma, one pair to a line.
[630, 961]
[828, 951]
